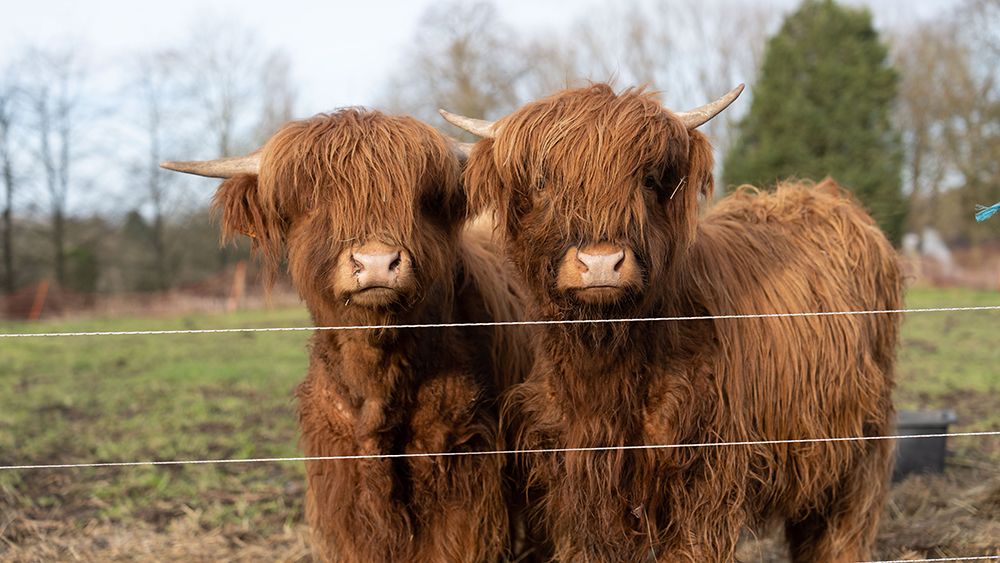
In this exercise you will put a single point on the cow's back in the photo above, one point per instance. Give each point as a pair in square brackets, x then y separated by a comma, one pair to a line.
[803, 249]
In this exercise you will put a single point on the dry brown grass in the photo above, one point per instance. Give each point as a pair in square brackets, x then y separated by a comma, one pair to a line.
[184, 539]
[928, 516]
[210, 296]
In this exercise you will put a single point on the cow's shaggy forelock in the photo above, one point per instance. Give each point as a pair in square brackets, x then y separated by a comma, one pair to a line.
[571, 170]
[343, 179]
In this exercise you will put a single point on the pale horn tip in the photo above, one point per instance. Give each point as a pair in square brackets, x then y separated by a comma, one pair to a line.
[699, 116]
[172, 165]
[218, 168]
[478, 127]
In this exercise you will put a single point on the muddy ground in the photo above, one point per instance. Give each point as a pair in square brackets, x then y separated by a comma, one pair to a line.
[956, 514]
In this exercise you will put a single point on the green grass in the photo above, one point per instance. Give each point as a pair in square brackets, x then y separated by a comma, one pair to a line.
[132, 398]
[951, 360]
[945, 352]
[229, 396]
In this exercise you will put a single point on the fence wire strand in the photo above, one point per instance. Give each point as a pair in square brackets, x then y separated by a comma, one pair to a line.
[499, 452]
[976, 558]
[499, 323]
[487, 324]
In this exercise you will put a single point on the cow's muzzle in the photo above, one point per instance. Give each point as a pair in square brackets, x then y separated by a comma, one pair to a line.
[373, 274]
[599, 272]
[379, 269]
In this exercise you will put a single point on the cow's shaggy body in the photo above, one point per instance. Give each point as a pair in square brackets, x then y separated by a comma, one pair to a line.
[590, 183]
[368, 211]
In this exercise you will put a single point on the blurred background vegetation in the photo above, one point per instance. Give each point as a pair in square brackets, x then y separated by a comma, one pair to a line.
[906, 115]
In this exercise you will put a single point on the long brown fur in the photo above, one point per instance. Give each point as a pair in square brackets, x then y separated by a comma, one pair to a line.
[573, 169]
[328, 185]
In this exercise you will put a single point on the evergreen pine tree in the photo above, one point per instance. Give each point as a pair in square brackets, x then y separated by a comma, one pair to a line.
[821, 108]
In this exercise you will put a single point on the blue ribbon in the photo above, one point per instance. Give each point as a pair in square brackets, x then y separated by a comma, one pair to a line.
[983, 212]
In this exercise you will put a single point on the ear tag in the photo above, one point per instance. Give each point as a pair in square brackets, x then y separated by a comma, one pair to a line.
[249, 232]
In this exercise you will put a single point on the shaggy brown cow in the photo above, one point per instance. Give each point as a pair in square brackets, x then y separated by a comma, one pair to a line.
[597, 201]
[369, 212]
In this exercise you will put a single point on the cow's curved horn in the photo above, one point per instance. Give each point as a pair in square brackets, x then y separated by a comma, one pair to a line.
[220, 167]
[479, 127]
[699, 116]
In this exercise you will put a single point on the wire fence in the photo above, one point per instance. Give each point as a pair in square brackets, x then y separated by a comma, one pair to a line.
[493, 324]
[505, 452]
[498, 323]
[995, 558]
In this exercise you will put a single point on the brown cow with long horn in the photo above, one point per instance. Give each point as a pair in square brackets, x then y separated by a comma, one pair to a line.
[368, 211]
[682, 433]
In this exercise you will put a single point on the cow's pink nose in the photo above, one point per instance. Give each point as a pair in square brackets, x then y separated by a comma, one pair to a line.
[601, 268]
[376, 270]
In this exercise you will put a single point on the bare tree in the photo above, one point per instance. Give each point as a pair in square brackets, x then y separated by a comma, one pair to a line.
[689, 49]
[624, 43]
[692, 51]
[552, 64]
[466, 60]
[223, 65]
[156, 84]
[949, 113]
[463, 59]
[724, 46]
[57, 79]
[7, 112]
[930, 62]
[972, 133]
[983, 18]
[277, 95]
[240, 91]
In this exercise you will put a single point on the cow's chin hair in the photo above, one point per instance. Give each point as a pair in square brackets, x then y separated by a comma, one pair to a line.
[601, 302]
[599, 296]
[377, 301]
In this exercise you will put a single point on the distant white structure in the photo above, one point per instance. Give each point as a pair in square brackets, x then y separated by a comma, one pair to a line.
[933, 246]
[911, 245]
[930, 255]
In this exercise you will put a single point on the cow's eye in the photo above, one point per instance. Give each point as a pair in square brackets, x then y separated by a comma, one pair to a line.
[649, 182]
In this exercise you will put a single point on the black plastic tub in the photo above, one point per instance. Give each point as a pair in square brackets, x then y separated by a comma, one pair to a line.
[921, 455]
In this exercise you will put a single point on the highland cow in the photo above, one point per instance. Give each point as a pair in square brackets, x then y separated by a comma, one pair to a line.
[596, 197]
[369, 214]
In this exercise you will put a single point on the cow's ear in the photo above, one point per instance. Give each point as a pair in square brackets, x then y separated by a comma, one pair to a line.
[701, 164]
[238, 200]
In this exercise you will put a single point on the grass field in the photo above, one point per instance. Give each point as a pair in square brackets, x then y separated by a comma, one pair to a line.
[67, 400]
[952, 360]
[153, 398]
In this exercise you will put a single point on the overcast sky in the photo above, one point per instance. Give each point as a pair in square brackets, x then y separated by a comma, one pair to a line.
[341, 51]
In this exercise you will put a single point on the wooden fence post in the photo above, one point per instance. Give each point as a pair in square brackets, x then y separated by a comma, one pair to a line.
[239, 281]
[36, 307]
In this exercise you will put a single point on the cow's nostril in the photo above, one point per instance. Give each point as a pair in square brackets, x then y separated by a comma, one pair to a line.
[620, 262]
[377, 269]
